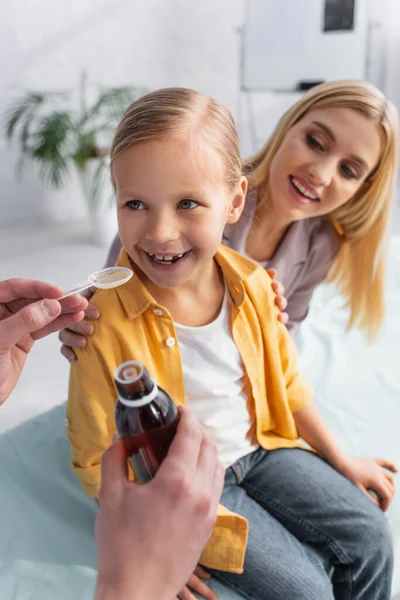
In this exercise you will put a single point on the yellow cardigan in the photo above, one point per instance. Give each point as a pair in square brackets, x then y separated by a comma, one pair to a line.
[134, 326]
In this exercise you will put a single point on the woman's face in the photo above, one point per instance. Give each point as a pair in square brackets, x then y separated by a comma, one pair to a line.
[322, 162]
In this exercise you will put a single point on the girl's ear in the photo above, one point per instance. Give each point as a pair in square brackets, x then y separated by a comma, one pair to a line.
[238, 202]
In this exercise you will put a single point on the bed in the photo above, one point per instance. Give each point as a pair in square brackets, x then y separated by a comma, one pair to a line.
[47, 549]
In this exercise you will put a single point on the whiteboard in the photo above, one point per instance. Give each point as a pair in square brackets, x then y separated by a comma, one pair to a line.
[284, 43]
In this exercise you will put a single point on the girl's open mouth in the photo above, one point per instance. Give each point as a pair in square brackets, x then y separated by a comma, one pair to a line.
[167, 259]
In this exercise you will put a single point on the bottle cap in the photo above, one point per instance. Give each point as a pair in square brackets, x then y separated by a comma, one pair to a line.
[129, 372]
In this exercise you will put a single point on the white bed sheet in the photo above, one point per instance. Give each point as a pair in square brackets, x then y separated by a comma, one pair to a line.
[356, 384]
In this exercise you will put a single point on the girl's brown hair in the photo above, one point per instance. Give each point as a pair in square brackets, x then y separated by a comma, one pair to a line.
[183, 113]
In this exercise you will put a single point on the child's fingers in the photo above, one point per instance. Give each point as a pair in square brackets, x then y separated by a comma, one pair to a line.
[68, 353]
[381, 488]
[71, 339]
[272, 273]
[92, 313]
[202, 573]
[385, 491]
[385, 501]
[75, 332]
[388, 464]
[370, 496]
[186, 594]
[88, 295]
[201, 588]
[390, 489]
[389, 477]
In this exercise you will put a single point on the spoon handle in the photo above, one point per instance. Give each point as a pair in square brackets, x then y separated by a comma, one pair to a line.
[76, 290]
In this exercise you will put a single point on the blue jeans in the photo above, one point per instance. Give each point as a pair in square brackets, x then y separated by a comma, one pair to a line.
[293, 501]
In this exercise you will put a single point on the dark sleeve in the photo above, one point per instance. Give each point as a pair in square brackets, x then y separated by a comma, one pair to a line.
[324, 247]
[114, 252]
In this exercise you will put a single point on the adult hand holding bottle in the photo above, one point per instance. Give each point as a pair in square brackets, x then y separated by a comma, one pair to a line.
[150, 537]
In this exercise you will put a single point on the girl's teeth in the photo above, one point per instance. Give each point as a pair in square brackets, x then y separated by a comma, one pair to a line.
[166, 258]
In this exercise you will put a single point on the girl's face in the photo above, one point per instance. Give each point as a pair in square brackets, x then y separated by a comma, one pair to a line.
[173, 204]
[323, 161]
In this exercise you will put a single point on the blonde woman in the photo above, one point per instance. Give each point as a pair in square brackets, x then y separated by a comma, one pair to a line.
[320, 200]
[319, 204]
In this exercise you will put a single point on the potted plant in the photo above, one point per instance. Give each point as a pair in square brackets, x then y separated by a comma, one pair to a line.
[60, 136]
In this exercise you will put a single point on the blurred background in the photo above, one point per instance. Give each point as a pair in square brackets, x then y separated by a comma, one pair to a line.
[250, 54]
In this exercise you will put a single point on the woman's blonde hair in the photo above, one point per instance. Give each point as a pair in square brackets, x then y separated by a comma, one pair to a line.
[182, 113]
[359, 269]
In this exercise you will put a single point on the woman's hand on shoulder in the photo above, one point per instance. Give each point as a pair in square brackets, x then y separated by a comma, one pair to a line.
[280, 299]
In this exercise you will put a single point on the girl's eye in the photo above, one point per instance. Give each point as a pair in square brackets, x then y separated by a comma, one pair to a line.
[188, 204]
[135, 205]
[348, 172]
[313, 142]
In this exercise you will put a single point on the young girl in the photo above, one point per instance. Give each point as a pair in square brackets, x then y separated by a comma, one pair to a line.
[316, 205]
[202, 319]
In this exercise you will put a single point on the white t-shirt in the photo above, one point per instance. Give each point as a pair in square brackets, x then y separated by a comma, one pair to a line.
[215, 384]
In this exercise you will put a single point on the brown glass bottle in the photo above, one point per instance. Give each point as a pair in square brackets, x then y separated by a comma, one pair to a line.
[146, 418]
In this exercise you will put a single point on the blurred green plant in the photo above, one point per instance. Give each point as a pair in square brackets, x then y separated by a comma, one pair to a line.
[57, 136]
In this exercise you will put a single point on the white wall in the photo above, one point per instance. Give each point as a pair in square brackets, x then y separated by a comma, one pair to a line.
[385, 38]
[285, 43]
[44, 44]
[260, 111]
